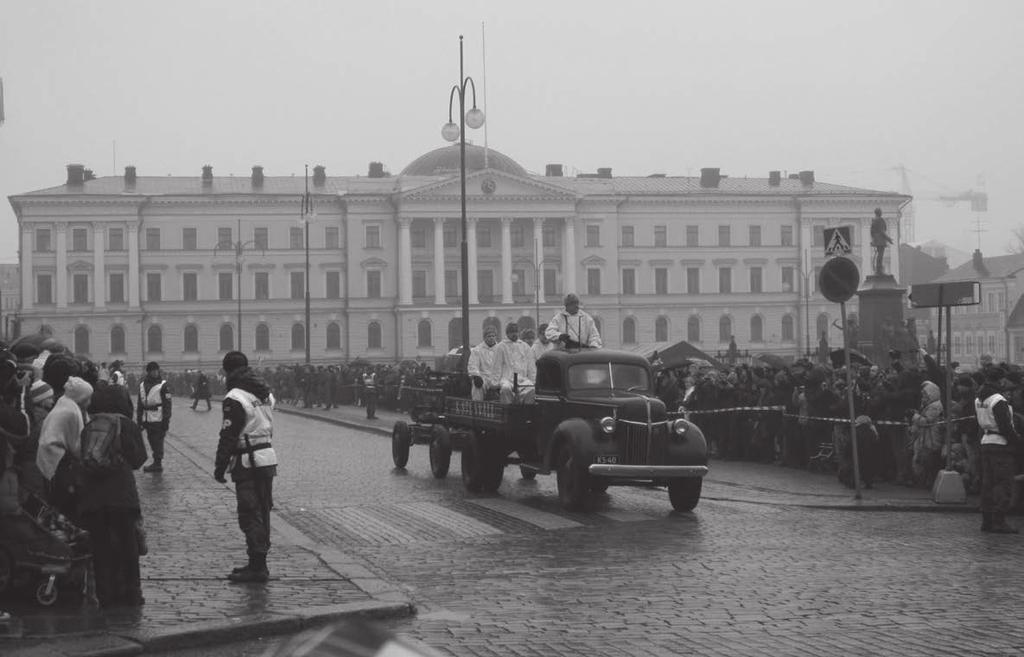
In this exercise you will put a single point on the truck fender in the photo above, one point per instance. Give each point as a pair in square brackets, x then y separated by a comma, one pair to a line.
[575, 430]
[695, 445]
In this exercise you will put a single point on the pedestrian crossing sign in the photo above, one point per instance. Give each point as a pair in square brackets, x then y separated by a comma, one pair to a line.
[837, 241]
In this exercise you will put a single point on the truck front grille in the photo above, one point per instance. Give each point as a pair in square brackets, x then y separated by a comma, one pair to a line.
[642, 443]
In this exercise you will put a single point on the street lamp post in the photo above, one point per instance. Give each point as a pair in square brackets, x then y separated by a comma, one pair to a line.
[239, 247]
[474, 119]
[307, 216]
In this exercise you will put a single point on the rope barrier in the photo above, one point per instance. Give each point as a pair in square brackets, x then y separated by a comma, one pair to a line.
[837, 420]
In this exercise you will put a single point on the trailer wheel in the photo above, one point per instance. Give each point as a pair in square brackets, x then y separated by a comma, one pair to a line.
[440, 452]
[572, 478]
[46, 593]
[400, 437]
[685, 493]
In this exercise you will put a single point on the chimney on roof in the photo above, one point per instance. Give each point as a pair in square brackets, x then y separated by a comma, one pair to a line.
[774, 178]
[807, 178]
[207, 175]
[89, 175]
[978, 263]
[319, 175]
[257, 176]
[709, 177]
[376, 170]
[129, 176]
[76, 174]
[604, 172]
[553, 170]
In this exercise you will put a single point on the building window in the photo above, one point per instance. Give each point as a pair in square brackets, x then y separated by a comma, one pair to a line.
[419, 284]
[818, 236]
[483, 236]
[693, 236]
[628, 238]
[224, 235]
[154, 340]
[225, 285]
[79, 239]
[117, 340]
[629, 331]
[787, 279]
[822, 324]
[373, 336]
[373, 284]
[297, 282]
[417, 236]
[44, 289]
[43, 243]
[660, 280]
[81, 340]
[661, 236]
[80, 288]
[968, 344]
[693, 329]
[518, 282]
[115, 239]
[116, 291]
[333, 284]
[692, 280]
[725, 235]
[373, 237]
[786, 235]
[154, 288]
[189, 241]
[549, 237]
[333, 336]
[817, 277]
[661, 329]
[298, 337]
[261, 283]
[227, 337]
[593, 235]
[724, 328]
[152, 239]
[788, 330]
[549, 282]
[191, 339]
[451, 283]
[516, 235]
[756, 329]
[455, 332]
[262, 337]
[295, 238]
[755, 236]
[724, 280]
[189, 286]
[629, 281]
[331, 237]
[450, 237]
[957, 348]
[261, 238]
[756, 282]
[423, 333]
[594, 281]
[485, 284]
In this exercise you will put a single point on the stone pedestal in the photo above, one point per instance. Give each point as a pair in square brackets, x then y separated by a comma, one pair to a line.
[880, 315]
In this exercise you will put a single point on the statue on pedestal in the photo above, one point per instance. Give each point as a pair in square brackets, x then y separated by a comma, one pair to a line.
[879, 241]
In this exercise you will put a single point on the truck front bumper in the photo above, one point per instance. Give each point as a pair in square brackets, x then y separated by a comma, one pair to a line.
[647, 471]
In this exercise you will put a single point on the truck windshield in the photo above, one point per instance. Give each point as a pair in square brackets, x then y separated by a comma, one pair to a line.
[609, 376]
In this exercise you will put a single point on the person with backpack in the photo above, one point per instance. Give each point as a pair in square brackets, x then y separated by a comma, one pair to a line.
[245, 450]
[154, 413]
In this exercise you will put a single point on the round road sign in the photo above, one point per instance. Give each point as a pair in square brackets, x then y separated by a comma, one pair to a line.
[839, 279]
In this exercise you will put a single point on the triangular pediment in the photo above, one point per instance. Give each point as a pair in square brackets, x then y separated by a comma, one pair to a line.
[490, 184]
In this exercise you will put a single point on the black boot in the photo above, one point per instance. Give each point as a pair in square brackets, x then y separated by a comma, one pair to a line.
[238, 569]
[999, 525]
[986, 521]
[255, 572]
[156, 466]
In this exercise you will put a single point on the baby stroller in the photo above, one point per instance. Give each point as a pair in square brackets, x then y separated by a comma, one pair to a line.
[39, 545]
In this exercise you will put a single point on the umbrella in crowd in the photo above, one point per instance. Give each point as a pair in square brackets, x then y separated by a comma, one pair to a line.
[772, 360]
[856, 358]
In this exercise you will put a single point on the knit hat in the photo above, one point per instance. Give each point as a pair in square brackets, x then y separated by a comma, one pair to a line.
[152, 365]
[234, 360]
[77, 389]
[40, 392]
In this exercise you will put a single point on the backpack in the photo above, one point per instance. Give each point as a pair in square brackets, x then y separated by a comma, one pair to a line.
[101, 444]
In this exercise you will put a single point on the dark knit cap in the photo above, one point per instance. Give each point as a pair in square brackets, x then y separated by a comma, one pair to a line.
[152, 365]
[234, 360]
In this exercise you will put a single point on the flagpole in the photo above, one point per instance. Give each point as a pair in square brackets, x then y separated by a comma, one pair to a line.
[307, 208]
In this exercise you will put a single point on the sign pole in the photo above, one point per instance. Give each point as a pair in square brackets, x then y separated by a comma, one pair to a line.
[949, 391]
[849, 401]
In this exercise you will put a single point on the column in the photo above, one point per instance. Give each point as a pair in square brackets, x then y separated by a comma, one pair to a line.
[474, 295]
[538, 258]
[404, 262]
[569, 263]
[439, 261]
[28, 284]
[99, 276]
[506, 260]
[133, 265]
[61, 275]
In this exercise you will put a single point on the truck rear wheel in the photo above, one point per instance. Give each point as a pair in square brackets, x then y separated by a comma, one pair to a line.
[471, 476]
[400, 438]
[685, 493]
[573, 479]
[440, 452]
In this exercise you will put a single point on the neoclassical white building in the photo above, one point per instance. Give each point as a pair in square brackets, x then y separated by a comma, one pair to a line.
[147, 267]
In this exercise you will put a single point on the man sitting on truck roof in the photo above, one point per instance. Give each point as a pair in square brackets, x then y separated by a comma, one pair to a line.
[482, 367]
[573, 328]
[517, 367]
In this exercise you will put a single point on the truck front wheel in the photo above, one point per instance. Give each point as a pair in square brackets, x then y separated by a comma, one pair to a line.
[573, 478]
[685, 493]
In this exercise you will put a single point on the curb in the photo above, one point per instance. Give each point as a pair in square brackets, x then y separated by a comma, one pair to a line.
[341, 422]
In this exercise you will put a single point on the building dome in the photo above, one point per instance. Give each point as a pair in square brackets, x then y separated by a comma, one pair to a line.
[445, 160]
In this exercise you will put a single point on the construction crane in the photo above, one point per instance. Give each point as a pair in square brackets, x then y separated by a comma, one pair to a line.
[977, 199]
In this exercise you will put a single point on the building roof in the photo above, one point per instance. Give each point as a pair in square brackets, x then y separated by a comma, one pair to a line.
[995, 267]
[445, 161]
[1016, 319]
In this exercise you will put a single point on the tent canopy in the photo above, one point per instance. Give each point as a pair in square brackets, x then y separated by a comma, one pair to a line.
[675, 354]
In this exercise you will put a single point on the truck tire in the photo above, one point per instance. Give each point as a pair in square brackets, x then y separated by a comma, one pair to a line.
[573, 479]
[400, 436]
[685, 493]
[492, 466]
[471, 476]
[599, 485]
[440, 452]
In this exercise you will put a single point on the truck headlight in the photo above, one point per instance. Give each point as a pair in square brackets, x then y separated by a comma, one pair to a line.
[679, 427]
[608, 425]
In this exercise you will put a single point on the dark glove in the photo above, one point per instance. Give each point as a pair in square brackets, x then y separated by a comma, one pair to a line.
[564, 338]
[218, 475]
[478, 381]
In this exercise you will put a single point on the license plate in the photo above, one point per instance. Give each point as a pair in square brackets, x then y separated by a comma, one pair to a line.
[606, 458]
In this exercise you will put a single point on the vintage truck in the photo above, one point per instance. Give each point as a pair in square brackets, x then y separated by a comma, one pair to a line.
[596, 423]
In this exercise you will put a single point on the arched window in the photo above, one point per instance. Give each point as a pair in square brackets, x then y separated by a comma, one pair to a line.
[298, 336]
[424, 338]
[822, 324]
[333, 336]
[117, 340]
[756, 329]
[262, 337]
[191, 339]
[724, 328]
[629, 331]
[455, 332]
[661, 329]
[373, 336]
[81, 340]
[788, 332]
[227, 337]
[494, 323]
[693, 329]
[154, 339]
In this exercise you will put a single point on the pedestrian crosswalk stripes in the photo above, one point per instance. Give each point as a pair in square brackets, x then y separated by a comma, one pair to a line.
[458, 524]
[361, 522]
[541, 519]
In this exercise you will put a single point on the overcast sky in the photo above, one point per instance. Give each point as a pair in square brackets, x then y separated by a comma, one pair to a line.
[849, 89]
